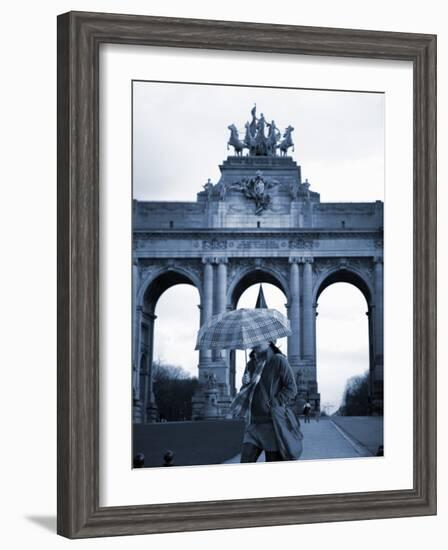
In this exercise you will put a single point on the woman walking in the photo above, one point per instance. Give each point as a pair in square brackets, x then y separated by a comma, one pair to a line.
[267, 380]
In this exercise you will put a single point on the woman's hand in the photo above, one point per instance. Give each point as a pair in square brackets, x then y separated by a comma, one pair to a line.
[246, 378]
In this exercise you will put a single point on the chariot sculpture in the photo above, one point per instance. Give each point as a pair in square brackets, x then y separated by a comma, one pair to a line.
[261, 138]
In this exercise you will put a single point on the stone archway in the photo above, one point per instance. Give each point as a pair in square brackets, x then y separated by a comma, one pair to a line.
[369, 282]
[260, 222]
[254, 275]
[158, 282]
[341, 274]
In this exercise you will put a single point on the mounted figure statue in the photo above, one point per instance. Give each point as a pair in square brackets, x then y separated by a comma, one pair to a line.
[235, 141]
[272, 139]
[286, 142]
[260, 137]
[253, 124]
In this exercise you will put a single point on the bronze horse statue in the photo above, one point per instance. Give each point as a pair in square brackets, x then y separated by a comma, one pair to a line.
[249, 140]
[235, 141]
[286, 142]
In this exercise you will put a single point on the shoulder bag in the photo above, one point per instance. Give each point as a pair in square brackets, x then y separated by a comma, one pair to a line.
[286, 427]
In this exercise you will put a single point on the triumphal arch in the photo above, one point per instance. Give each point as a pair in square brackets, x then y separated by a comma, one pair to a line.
[261, 222]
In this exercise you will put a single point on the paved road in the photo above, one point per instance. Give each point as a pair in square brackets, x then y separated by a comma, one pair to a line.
[324, 439]
[367, 430]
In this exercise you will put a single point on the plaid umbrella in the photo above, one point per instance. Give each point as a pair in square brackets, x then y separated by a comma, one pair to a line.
[242, 329]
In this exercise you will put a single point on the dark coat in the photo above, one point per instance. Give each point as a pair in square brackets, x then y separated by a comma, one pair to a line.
[278, 380]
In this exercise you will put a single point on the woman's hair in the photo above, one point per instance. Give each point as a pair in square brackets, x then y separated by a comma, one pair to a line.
[273, 347]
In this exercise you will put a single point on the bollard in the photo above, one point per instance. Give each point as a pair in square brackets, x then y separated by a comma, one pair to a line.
[139, 460]
[168, 458]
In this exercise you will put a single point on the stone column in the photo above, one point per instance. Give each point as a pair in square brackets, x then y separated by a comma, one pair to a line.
[378, 338]
[135, 327]
[137, 405]
[371, 339]
[294, 343]
[379, 306]
[207, 302]
[150, 406]
[220, 301]
[313, 368]
[221, 291]
[137, 394]
[309, 317]
[205, 356]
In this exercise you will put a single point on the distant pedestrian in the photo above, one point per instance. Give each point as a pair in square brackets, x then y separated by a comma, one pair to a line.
[307, 412]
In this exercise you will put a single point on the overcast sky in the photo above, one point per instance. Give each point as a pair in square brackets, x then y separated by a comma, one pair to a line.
[180, 138]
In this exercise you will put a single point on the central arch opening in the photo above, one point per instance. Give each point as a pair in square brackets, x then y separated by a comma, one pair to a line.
[246, 298]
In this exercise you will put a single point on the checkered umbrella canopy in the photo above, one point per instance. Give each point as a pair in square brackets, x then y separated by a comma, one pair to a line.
[242, 329]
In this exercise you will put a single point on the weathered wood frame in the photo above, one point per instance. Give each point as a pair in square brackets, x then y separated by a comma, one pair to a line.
[79, 37]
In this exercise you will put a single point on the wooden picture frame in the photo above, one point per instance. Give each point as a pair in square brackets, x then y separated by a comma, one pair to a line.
[79, 38]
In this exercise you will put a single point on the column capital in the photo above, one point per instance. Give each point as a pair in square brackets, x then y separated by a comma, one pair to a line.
[308, 260]
[207, 260]
[221, 260]
[147, 311]
[295, 260]
[378, 260]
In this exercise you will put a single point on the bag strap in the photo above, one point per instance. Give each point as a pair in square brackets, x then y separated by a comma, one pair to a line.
[252, 391]
[265, 393]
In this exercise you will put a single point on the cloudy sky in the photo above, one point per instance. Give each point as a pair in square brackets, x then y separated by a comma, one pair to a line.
[180, 137]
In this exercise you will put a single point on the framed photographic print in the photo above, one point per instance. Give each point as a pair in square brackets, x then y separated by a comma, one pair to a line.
[246, 274]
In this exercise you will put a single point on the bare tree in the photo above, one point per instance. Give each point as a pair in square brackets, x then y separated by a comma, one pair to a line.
[173, 389]
[356, 396]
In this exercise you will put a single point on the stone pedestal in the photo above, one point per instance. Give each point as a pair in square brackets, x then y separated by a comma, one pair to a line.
[137, 412]
[211, 403]
[211, 407]
[306, 387]
[152, 412]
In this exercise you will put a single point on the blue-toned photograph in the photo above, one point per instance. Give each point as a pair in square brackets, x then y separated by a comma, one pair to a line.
[257, 274]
